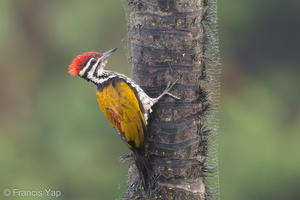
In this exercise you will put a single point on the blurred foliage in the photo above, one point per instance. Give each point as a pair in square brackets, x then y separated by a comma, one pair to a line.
[53, 135]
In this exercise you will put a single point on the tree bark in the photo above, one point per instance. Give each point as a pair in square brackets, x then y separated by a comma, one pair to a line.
[167, 40]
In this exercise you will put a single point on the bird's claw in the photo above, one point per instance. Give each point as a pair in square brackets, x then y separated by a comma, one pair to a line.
[169, 87]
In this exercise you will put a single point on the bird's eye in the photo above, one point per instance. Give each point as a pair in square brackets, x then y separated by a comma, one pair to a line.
[93, 61]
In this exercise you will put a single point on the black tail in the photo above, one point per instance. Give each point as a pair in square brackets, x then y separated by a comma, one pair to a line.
[143, 166]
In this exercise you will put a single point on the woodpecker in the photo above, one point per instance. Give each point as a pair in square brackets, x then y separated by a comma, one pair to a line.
[123, 102]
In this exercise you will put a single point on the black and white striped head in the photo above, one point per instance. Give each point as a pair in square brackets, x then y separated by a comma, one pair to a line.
[90, 64]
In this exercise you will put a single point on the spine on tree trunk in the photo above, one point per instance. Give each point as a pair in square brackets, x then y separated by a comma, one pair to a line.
[176, 40]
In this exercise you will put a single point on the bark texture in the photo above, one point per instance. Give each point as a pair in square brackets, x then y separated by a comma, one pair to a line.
[167, 44]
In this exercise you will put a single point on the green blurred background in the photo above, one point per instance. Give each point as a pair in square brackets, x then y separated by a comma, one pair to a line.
[53, 136]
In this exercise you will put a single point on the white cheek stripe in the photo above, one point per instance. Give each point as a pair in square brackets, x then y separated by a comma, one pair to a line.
[83, 71]
[93, 69]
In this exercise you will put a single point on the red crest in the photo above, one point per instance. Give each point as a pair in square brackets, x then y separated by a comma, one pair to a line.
[79, 62]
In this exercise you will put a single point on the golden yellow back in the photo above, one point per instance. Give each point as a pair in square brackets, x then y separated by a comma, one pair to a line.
[120, 105]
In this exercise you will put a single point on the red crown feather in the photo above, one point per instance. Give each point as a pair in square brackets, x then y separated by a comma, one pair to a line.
[79, 62]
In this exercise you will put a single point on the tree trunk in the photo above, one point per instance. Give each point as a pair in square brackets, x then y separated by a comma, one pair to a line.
[167, 40]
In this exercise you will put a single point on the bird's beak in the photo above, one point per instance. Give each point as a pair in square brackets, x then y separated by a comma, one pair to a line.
[107, 53]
